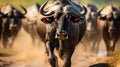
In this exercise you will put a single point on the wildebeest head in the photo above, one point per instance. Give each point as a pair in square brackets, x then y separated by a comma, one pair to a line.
[61, 15]
[110, 16]
[32, 12]
[91, 17]
[11, 16]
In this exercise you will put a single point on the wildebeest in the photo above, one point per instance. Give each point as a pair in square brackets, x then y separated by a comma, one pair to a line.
[11, 24]
[91, 17]
[109, 25]
[91, 40]
[61, 25]
[29, 23]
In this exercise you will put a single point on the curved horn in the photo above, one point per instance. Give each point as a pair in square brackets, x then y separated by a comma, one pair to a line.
[25, 11]
[100, 11]
[0, 12]
[84, 10]
[45, 13]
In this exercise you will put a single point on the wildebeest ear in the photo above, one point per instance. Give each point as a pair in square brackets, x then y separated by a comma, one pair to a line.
[119, 14]
[116, 14]
[47, 20]
[18, 14]
[4, 15]
[102, 17]
[1, 14]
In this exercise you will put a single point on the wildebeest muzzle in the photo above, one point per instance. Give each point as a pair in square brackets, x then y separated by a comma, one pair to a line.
[12, 26]
[111, 27]
[61, 35]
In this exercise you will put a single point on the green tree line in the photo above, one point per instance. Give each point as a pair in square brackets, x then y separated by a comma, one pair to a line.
[26, 3]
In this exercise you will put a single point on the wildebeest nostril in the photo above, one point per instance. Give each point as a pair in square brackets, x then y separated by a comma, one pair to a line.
[61, 35]
[62, 32]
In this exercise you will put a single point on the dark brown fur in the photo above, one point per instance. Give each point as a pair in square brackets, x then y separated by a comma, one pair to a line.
[11, 24]
[51, 30]
[109, 25]
[91, 39]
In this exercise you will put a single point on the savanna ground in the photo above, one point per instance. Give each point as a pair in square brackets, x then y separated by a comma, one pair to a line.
[26, 54]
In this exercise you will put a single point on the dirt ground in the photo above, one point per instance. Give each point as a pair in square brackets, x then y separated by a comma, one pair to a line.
[26, 54]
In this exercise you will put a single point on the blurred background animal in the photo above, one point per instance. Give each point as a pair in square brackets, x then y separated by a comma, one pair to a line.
[30, 21]
[109, 25]
[11, 24]
[91, 39]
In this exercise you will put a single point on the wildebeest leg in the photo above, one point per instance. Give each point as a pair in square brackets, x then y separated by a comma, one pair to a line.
[107, 43]
[95, 45]
[50, 52]
[31, 30]
[12, 41]
[67, 59]
[34, 35]
[4, 40]
[85, 43]
[114, 43]
[0, 36]
[61, 51]
[1, 29]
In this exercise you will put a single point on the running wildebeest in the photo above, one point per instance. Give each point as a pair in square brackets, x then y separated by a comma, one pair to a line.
[91, 38]
[61, 25]
[29, 23]
[11, 24]
[109, 25]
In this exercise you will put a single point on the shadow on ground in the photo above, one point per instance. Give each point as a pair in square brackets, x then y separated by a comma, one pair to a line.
[100, 65]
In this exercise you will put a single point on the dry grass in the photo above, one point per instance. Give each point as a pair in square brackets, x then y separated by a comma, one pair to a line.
[115, 61]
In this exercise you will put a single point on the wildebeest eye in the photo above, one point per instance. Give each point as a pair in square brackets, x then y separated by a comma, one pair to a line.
[47, 20]
[109, 19]
[103, 18]
[4, 16]
[7, 16]
[77, 19]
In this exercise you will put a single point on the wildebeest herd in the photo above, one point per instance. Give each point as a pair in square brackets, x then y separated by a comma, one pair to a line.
[62, 24]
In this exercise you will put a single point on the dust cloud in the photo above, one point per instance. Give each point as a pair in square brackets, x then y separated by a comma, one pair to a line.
[28, 54]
